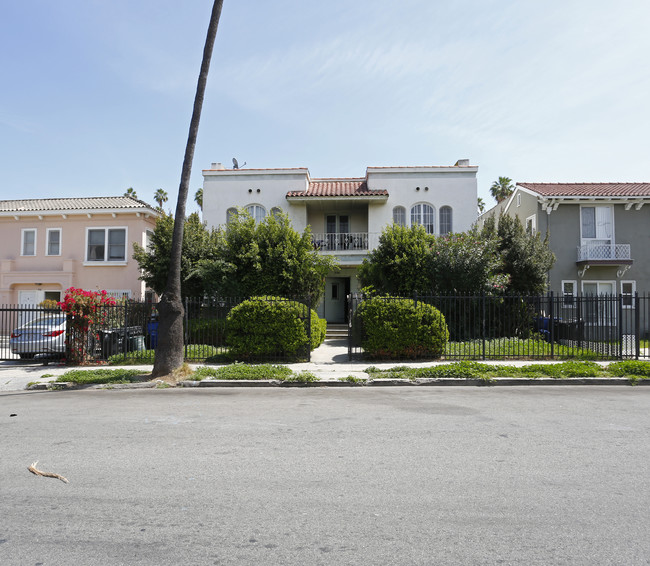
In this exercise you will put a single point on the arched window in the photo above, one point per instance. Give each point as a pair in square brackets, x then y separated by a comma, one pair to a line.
[257, 211]
[399, 215]
[276, 212]
[425, 215]
[231, 214]
[446, 220]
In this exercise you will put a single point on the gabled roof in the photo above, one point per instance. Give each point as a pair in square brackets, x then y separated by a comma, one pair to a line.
[347, 187]
[588, 189]
[73, 204]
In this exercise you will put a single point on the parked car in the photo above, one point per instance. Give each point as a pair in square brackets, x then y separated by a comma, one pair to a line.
[42, 335]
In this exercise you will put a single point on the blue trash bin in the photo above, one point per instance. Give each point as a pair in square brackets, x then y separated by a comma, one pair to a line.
[152, 332]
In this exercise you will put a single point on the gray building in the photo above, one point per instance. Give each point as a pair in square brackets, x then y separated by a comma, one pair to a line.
[599, 232]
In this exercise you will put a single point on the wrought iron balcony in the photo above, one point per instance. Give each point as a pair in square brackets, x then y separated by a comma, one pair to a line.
[344, 241]
[609, 253]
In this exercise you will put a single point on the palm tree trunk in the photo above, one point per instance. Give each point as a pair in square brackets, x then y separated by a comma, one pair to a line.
[169, 351]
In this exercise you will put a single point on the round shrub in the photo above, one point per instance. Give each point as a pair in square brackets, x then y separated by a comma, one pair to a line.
[267, 327]
[393, 327]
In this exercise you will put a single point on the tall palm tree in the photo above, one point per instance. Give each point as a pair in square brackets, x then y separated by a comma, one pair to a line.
[160, 197]
[198, 197]
[130, 192]
[502, 189]
[169, 350]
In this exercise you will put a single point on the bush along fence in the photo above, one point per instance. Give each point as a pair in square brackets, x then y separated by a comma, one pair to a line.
[501, 327]
[93, 328]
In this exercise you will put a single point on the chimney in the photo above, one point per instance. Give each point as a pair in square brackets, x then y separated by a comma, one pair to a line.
[462, 163]
[217, 166]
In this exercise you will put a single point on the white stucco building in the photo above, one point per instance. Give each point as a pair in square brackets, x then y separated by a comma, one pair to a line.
[347, 215]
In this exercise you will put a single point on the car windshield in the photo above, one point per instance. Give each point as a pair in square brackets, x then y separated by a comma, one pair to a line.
[46, 321]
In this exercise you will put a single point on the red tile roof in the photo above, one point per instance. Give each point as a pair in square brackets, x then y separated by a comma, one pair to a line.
[588, 189]
[72, 204]
[338, 188]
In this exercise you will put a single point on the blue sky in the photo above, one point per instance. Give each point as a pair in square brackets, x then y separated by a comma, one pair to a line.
[97, 94]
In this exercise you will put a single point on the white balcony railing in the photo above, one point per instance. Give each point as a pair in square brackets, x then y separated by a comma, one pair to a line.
[344, 241]
[600, 252]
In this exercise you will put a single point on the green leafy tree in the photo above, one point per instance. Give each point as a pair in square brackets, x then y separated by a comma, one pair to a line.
[502, 189]
[199, 244]
[466, 263]
[160, 197]
[267, 258]
[525, 258]
[401, 263]
[130, 192]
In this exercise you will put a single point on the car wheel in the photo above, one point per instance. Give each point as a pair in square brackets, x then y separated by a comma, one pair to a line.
[27, 356]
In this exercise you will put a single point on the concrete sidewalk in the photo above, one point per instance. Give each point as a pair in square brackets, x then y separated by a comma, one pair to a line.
[329, 363]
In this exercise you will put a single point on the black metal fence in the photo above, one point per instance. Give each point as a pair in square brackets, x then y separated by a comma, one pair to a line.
[126, 331]
[535, 327]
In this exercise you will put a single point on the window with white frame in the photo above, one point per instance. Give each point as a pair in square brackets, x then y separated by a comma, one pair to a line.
[599, 300]
[231, 214]
[53, 241]
[531, 224]
[596, 232]
[257, 211]
[425, 215]
[399, 215]
[446, 220]
[628, 289]
[106, 244]
[569, 289]
[518, 199]
[28, 241]
[276, 212]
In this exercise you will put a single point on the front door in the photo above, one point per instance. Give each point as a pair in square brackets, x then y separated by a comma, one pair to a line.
[335, 293]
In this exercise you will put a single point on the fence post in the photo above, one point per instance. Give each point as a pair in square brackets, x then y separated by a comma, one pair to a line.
[637, 326]
[483, 324]
[621, 338]
[125, 331]
[551, 324]
[309, 328]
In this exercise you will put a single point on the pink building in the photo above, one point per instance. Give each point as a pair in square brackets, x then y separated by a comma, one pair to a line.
[49, 245]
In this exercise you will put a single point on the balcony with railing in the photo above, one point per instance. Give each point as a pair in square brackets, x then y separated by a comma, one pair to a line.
[345, 242]
[612, 254]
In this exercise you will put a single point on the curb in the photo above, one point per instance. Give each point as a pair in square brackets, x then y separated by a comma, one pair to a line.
[423, 382]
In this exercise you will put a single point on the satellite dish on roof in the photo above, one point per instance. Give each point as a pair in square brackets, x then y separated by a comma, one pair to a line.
[235, 164]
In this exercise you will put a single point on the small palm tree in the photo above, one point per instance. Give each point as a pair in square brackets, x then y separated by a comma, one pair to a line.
[160, 197]
[198, 197]
[502, 189]
[130, 192]
[481, 205]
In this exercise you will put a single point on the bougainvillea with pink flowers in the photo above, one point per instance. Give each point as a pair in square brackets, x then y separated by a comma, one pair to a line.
[86, 314]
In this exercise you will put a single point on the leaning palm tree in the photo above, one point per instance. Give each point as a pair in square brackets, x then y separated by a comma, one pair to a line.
[198, 197]
[130, 192]
[169, 350]
[502, 189]
[160, 197]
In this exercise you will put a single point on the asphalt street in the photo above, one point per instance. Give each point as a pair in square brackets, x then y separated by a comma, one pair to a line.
[395, 476]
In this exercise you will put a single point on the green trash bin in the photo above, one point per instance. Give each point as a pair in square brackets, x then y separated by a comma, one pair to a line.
[135, 343]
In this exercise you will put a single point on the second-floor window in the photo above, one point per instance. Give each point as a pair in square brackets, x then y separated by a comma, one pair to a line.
[106, 244]
[399, 215]
[28, 244]
[596, 223]
[446, 220]
[425, 215]
[53, 246]
[257, 211]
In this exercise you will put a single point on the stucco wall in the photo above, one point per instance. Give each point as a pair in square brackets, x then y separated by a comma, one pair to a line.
[59, 272]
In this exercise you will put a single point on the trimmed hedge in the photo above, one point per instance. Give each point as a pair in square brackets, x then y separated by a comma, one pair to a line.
[393, 327]
[271, 327]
